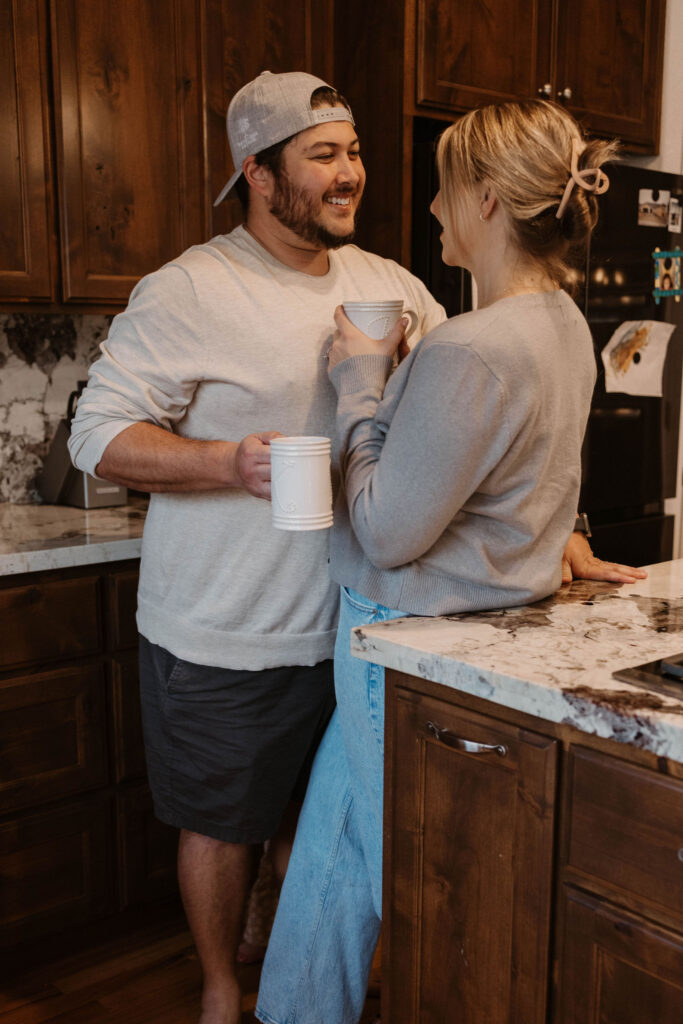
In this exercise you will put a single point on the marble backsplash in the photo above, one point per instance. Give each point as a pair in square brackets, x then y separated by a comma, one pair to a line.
[42, 358]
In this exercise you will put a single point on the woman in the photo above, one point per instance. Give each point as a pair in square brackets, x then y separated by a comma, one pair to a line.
[461, 478]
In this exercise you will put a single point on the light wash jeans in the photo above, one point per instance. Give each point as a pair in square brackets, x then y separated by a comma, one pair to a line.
[328, 919]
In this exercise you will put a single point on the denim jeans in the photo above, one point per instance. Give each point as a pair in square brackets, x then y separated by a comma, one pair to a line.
[328, 919]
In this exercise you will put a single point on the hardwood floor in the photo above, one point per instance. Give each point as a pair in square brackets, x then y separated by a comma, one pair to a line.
[152, 977]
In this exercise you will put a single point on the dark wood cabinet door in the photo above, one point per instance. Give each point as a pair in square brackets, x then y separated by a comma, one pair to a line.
[48, 620]
[616, 968]
[128, 114]
[55, 870]
[471, 53]
[25, 168]
[610, 57]
[51, 735]
[468, 844]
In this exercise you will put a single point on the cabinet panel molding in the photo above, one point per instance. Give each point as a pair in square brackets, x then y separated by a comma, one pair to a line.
[25, 160]
[128, 745]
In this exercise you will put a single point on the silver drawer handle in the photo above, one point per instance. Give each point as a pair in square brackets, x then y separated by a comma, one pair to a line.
[469, 746]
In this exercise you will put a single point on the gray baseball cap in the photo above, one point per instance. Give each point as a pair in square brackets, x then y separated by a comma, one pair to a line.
[269, 109]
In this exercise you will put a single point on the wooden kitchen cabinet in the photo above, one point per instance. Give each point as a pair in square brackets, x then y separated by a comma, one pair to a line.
[134, 95]
[470, 54]
[610, 57]
[416, 61]
[469, 865]
[79, 842]
[540, 882]
[128, 124]
[604, 62]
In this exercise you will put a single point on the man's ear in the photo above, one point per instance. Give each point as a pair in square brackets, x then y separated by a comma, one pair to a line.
[258, 177]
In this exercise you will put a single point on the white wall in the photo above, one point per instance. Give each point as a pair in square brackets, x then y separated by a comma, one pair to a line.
[670, 156]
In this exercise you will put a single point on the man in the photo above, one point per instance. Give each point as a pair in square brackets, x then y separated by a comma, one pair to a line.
[237, 619]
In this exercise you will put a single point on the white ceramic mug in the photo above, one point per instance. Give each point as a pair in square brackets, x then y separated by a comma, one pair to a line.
[377, 318]
[300, 483]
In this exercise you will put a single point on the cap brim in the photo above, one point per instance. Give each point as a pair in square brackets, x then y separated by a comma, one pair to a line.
[228, 188]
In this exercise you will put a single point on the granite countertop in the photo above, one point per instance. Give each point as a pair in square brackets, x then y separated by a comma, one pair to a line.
[38, 537]
[554, 659]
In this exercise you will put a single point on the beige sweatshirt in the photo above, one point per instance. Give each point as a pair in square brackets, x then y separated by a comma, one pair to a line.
[220, 343]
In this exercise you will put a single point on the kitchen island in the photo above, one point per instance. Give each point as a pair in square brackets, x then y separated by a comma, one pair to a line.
[534, 811]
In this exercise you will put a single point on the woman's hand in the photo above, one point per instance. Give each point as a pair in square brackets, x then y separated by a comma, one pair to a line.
[579, 563]
[349, 341]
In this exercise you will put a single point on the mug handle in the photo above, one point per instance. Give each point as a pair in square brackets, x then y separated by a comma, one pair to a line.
[413, 320]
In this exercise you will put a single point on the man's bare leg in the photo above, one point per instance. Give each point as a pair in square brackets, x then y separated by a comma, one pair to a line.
[214, 879]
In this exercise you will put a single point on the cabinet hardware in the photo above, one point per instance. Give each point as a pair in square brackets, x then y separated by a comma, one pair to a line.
[469, 746]
[565, 94]
[680, 853]
[546, 90]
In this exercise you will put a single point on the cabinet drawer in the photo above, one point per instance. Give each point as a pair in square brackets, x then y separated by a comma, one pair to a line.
[52, 619]
[124, 599]
[626, 830]
[52, 736]
[55, 870]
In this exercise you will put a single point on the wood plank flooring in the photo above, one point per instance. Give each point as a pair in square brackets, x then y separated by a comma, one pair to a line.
[151, 977]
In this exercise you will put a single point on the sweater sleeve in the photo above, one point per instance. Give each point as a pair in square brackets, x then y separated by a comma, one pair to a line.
[149, 367]
[407, 474]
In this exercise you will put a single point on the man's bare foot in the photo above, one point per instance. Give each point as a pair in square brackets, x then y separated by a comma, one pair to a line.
[250, 952]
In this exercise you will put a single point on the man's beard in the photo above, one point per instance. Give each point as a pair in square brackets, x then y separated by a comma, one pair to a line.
[293, 207]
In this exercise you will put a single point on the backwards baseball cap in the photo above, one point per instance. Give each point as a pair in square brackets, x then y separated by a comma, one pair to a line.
[269, 109]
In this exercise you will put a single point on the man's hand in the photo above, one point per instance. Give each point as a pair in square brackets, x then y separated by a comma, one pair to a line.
[579, 563]
[252, 463]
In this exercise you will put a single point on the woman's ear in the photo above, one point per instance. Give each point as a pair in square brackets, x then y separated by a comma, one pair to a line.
[488, 200]
[258, 177]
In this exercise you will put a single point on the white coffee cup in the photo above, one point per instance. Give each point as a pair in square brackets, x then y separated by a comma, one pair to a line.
[377, 318]
[301, 485]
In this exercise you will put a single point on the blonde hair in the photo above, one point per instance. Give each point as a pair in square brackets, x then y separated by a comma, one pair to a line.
[525, 151]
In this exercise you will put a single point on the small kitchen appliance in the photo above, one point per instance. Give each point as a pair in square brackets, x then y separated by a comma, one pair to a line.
[62, 484]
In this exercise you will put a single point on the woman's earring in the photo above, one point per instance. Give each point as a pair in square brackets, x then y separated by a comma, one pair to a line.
[482, 217]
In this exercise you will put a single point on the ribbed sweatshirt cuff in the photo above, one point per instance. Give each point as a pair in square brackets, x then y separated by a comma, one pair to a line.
[358, 373]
